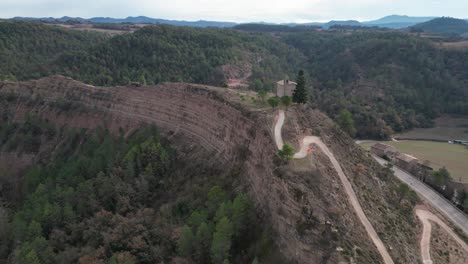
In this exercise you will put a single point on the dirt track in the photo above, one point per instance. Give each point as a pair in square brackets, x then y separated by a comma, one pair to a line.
[426, 218]
[302, 153]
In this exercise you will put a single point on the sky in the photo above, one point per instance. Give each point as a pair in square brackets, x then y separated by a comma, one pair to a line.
[279, 11]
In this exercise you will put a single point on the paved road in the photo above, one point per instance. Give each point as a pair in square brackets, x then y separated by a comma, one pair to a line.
[441, 204]
[306, 141]
[426, 218]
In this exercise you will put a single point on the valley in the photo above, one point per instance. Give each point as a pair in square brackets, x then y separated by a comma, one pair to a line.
[439, 154]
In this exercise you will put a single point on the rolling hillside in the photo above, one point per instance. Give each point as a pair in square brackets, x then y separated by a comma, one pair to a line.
[97, 175]
[389, 81]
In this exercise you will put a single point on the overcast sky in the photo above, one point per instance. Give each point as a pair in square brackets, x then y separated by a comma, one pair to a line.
[236, 10]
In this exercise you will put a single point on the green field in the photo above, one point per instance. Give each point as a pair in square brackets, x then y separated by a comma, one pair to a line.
[453, 157]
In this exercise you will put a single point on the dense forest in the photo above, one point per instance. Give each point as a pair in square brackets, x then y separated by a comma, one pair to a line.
[95, 197]
[28, 50]
[151, 55]
[388, 81]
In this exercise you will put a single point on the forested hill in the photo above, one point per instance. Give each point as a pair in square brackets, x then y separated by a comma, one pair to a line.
[162, 53]
[27, 50]
[151, 55]
[385, 79]
[388, 81]
[444, 25]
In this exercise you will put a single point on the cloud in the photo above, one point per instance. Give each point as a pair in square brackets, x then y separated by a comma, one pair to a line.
[235, 10]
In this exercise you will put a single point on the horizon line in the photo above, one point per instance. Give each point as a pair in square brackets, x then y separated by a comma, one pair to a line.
[225, 21]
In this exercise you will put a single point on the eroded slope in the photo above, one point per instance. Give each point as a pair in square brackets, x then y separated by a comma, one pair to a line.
[304, 202]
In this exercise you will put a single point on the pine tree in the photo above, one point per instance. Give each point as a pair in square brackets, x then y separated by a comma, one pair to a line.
[202, 243]
[185, 245]
[221, 244]
[346, 122]
[300, 93]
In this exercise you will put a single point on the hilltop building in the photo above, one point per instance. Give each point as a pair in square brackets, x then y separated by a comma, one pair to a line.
[285, 88]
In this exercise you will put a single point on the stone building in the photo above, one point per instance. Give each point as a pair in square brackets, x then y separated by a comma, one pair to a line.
[384, 150]
[407, 162]
[285, 88]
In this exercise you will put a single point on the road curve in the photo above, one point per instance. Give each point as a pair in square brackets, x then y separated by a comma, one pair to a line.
[438, 202]
[425, 217]
[302, 153]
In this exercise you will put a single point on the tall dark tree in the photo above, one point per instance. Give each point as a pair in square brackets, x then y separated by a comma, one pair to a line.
[346, 122]
[300, 94]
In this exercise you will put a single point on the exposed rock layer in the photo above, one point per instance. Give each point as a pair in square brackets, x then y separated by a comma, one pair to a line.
[304, 201]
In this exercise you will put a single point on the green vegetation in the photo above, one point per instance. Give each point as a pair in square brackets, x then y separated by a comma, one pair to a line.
[273, 101]
[390, 82]
[442, 25]
[286, 153]
[28, 50]
[300, 94]
[219, 227]
[286, 101]
[441, 176]
[346, 122]
[88, 183]
[439, 154]
[95, 197]
[151, 55]
[447, 128]
[405, 192]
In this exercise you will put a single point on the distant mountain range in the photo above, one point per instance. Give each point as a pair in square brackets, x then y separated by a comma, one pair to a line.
[135, 20]
[393, 21]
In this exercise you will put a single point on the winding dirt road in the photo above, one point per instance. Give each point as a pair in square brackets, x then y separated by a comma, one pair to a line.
[441, 204]
[426, 218]
[448, 210]
[302, 153]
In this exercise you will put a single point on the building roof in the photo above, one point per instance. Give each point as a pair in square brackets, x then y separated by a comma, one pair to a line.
[382, 146]
[426, 166]
[282, 82]
[406, 158]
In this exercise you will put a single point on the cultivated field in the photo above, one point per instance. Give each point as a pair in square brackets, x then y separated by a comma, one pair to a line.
[453, 157]
[446, 128]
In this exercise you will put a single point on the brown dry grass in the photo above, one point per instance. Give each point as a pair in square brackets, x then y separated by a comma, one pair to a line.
[446, 128]
[460, 45]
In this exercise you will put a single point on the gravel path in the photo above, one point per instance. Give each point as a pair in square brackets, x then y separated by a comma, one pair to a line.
[426, 218]
[302, 153]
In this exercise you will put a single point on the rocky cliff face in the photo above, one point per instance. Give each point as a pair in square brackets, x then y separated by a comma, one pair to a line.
[303, 201]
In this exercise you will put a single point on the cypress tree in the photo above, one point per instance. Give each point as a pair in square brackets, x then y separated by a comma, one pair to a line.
[300, 94]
